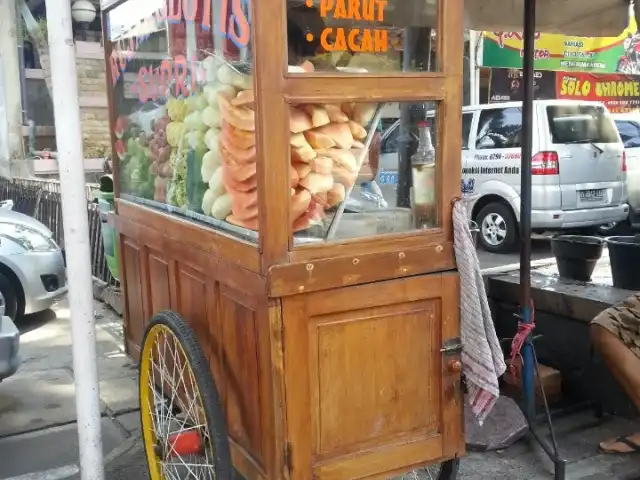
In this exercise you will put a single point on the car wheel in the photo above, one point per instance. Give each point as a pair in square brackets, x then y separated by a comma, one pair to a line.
[498, 228]
[8, 292]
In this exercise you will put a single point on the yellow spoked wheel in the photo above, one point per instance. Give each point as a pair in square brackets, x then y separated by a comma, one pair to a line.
[183, 425]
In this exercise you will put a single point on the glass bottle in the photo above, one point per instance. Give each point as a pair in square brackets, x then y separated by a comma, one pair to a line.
[423, 169]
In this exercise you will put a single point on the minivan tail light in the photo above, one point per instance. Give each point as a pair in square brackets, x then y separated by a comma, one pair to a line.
[624, 161]
[545, 163]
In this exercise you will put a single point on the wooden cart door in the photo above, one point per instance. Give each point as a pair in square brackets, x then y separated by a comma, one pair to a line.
[368, 387]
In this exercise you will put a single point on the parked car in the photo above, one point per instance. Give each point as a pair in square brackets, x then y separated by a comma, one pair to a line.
[9, 344]
[628, 125]
[32, 265]
[578, 168]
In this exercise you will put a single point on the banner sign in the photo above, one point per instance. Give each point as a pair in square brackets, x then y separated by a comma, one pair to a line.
[565, 53]
[506, 85]
[619, 93]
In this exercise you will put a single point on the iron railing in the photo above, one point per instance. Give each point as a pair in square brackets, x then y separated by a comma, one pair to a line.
[41, 200]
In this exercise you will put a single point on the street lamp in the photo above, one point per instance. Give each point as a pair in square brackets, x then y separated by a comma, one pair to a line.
[83, 13]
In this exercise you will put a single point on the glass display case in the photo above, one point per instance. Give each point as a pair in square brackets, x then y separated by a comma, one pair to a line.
[182, 90]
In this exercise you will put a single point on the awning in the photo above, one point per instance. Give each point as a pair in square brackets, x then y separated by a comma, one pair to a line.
[582, 18]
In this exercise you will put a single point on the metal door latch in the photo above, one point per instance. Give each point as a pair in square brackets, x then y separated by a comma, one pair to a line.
[452, 346]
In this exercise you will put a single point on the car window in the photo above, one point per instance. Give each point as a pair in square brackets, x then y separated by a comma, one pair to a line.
[629, 132]
[467, 119]
[500, 128]
[580, 124]
[390, 144]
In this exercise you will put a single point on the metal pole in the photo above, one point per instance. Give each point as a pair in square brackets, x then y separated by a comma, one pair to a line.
[405, 143]
[76, 233]
[474, 66]
[5, 150]
[525, 203]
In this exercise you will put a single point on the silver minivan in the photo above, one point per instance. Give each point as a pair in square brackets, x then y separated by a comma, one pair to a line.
[578, 168]
[628, 125]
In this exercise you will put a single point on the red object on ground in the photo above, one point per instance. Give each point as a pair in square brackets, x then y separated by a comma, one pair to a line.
[186, 443]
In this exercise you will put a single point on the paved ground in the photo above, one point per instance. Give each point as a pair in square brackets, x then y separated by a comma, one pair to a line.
[37, 408]
[540, 250]
[38, 430]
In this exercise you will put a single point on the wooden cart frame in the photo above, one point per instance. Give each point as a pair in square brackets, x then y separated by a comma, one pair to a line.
[282, 327]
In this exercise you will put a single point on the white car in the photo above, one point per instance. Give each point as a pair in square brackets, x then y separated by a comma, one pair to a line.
[628, 125]
[578, 168]
[32, 265]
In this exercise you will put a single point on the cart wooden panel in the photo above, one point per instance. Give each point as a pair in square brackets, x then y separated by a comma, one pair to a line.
[371, 391]
[227, 307]
[329, 358]
[333, 384]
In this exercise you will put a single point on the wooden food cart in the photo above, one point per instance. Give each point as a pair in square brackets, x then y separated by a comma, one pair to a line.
[321, 301]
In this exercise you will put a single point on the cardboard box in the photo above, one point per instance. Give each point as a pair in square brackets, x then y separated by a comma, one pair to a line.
[550, 377]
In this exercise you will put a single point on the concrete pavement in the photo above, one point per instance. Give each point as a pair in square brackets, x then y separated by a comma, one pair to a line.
[38, 432]
[38, 436]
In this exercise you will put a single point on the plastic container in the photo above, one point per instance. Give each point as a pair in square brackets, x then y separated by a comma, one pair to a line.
[104, 196]
[576, 255]
[624, 257]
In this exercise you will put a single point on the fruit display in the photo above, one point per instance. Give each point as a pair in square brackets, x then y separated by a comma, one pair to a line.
[327, 154]
[160, 150]
[134, 154]
[202, 155]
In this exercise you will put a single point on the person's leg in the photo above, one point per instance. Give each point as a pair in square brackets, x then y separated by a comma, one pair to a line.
[625, 367]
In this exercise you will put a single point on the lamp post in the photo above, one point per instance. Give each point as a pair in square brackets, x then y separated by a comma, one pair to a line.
[83, 13]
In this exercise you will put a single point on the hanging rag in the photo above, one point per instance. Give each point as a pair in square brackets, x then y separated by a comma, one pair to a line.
[482, 357]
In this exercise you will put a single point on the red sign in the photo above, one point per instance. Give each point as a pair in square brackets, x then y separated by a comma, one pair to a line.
[620, 93]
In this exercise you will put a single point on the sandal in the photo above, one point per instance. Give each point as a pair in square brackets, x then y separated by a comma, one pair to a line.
[635, 448]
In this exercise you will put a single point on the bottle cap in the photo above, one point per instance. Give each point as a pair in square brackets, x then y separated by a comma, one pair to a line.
[423, 124]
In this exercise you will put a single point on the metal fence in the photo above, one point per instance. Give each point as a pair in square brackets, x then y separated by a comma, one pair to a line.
[41, 200]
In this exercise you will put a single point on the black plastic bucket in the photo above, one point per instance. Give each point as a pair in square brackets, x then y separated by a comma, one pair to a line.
[576, 255]
[624, 256]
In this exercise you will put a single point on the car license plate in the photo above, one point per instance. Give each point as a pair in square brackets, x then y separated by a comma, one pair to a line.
[386, 177]
[591, 195]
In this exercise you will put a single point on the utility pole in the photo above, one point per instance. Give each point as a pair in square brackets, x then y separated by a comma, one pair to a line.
[64, 80]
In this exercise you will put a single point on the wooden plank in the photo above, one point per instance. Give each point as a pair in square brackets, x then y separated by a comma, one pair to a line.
[224, 270]
[206, 239]
[396, 242]
[272, 131]
[328, 273]
[330, 88]
[452, 395]
[279, 469]
[375, 462]
[296, 374]
[449, 115]
[113, 114]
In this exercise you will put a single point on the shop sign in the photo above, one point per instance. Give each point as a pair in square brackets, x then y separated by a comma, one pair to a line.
[178, 72]
[620, 93]
[361, 40]
[506, 85]
[566, 53]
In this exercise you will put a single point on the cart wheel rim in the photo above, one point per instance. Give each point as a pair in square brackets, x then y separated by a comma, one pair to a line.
[176, 435]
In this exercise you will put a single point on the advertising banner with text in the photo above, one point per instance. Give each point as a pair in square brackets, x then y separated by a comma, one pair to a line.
[620, 93]
[506, 85]
[619, 54]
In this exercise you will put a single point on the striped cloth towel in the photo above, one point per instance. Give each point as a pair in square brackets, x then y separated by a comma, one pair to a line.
[482, 357]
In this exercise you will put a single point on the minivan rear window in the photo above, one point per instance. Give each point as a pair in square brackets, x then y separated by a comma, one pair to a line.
[629, 132]
[581, 124]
